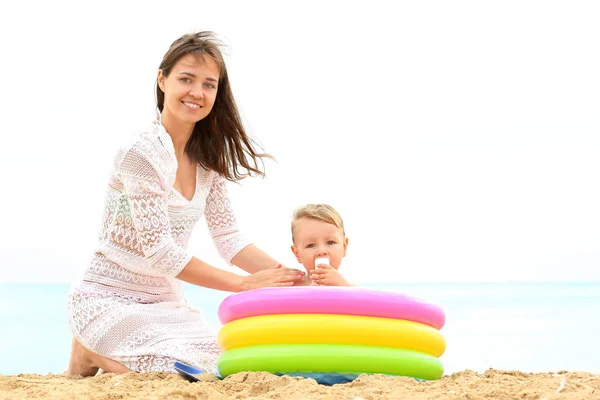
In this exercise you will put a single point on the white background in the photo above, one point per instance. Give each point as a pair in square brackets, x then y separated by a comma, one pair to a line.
[459, 140]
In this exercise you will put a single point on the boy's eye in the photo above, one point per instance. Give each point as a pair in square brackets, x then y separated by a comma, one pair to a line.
[330, 242]
[310, 246]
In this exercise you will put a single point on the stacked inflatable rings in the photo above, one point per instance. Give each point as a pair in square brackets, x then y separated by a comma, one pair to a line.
[330, 330]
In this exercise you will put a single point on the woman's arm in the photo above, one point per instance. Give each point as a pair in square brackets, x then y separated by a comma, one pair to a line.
[252, 259]
[199, 273]
[231, 245]
[221, 221]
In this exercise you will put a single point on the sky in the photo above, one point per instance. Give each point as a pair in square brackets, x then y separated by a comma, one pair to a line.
[458, 140]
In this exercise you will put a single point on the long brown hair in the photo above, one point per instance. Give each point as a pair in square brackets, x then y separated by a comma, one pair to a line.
[218, 142]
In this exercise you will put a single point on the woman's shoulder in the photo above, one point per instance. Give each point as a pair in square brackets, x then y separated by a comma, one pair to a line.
[153, 140]
[152, 146]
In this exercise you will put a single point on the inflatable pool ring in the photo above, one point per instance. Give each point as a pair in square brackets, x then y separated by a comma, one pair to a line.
[328, 328]
[331, 358]
[330, 300]
[332, 334]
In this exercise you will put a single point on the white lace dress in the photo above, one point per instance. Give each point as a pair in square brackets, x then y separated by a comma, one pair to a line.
[128, 305]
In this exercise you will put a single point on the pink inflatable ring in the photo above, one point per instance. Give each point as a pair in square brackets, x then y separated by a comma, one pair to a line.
[330, 300]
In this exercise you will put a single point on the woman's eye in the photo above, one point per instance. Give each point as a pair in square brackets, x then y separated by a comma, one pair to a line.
[186, 80]
[209, 85]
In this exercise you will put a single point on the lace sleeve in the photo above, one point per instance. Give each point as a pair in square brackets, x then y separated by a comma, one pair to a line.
[221, 221]
[145, 189]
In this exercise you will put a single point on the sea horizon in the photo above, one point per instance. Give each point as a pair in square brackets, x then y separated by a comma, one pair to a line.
[527, 326]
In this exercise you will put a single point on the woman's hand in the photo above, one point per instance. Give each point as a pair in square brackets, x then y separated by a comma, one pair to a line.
[275, 276]
[326, 275]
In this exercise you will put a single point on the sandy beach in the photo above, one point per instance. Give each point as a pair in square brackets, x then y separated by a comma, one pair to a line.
[469, 385]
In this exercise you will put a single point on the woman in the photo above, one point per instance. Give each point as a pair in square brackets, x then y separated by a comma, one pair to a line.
[127, 313]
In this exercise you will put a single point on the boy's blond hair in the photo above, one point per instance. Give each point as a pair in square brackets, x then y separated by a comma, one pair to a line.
[319, 212]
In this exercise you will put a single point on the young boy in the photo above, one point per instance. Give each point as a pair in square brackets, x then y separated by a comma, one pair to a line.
[318, 234]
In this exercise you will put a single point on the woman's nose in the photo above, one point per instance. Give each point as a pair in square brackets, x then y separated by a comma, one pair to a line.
[197, 92]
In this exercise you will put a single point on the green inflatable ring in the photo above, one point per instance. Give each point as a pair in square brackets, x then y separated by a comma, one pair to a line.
[330, 358]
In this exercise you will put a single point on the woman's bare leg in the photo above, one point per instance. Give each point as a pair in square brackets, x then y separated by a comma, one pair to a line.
[87, 363]
[81, 363]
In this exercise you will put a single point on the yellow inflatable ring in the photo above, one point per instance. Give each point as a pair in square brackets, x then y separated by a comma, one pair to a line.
[331, 329]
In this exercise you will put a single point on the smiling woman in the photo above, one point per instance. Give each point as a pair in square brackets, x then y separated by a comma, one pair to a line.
[127, 312]
[188, 91]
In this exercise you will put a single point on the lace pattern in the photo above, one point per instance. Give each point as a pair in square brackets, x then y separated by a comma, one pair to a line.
[128, 305]
[221, 221]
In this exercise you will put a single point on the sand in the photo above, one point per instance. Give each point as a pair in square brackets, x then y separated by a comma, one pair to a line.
[465, 385]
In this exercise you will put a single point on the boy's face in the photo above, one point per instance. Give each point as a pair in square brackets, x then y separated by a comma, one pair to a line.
[314, 239]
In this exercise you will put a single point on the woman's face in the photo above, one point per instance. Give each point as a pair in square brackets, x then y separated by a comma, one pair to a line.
[190, 89]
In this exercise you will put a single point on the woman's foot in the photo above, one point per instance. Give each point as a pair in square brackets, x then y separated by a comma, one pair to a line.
[81, 362]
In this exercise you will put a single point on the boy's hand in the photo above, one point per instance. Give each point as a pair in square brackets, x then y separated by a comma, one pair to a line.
[326, 275]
